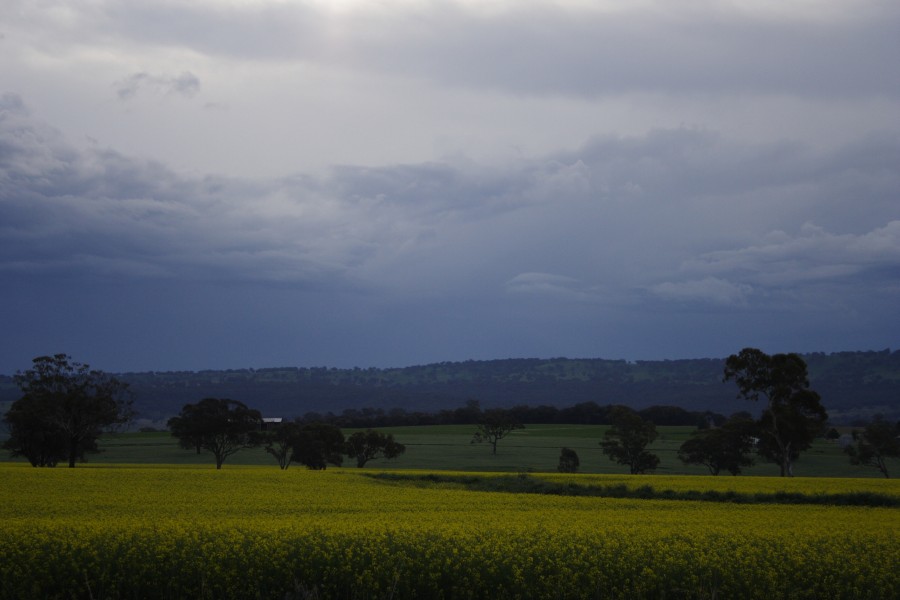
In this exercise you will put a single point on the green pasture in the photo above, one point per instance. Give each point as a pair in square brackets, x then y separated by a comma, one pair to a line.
[533, 449]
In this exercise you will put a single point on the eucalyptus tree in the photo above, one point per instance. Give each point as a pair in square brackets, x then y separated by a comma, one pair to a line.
[64, 408]
[627, 439]
[878, 441]
[793, 415]
[218, 425]
[727, 447]
[494, 425]
[370, 444]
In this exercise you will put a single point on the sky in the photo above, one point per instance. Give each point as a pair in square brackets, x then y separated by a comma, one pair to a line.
[249, 184]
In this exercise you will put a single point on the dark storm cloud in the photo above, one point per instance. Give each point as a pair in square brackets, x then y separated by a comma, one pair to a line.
[681, 242]
[99, 212]
[681, 215]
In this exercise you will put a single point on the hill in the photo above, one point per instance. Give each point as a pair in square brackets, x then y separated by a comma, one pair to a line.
[853, 385]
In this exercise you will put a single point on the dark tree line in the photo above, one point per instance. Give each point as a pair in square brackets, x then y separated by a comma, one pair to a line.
[852, 383]
[223, 427]
[583, 413]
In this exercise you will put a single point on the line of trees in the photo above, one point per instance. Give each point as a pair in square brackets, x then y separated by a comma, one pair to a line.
[65, 406]
[791, 418]
[223, 427]
[471, 413]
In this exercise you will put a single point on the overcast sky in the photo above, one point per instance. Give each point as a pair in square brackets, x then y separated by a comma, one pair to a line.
[190, 185]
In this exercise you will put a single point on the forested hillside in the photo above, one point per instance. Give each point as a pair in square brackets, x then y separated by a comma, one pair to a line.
[853, 385]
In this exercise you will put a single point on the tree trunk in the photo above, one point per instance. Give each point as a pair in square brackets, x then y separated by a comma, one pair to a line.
[73, 453]
[788, 464]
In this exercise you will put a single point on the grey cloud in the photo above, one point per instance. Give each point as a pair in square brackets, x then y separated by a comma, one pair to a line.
[688, 51]
[12, 103]
[186, 84]
[549, 284]
[683, 240]
[710, 290]
[812, 255]
[685, 215]
[544, 48]
[812, 270]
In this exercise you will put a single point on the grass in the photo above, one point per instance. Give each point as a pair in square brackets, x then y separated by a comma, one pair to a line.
[448, 447]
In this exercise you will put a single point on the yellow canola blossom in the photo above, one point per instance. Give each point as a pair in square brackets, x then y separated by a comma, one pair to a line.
[255, 532]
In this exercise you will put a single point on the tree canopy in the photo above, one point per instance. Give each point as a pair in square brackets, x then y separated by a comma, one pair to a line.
[726, 447]
[64, 407]
[877, 442]
[370, 444]
[317, 445]
[280, 442]
[494, 425]
[627, 439]
[219, 425]
[793, 415]
[568, 461]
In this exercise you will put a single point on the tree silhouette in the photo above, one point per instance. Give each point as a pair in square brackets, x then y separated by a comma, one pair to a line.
[65, 406]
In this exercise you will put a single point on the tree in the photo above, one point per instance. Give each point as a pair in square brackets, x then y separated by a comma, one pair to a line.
[317, 445]
[877, 442]
[33, 436]
[568, 461]
[219, 425]
[280, 443]
[370, 444]
[793, 416]
[495, 425]
[65, 406]
[726, 447]
[626, 440]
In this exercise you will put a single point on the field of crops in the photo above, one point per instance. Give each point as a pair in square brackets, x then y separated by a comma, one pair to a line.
[255, 532]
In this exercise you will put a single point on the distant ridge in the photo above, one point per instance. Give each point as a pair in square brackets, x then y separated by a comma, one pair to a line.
[853, 385]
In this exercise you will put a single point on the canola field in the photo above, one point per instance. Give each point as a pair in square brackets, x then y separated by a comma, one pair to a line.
[255, 532]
